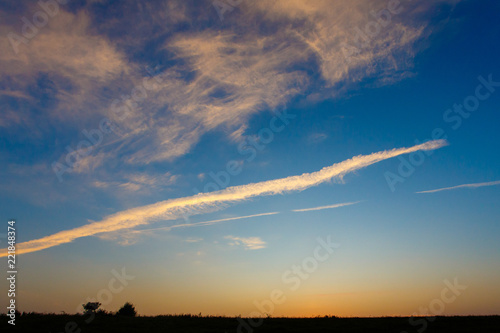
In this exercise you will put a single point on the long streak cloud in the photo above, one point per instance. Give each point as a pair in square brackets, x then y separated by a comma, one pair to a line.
[198, 224]
[197, 204]
[326, 207]
[475, 185]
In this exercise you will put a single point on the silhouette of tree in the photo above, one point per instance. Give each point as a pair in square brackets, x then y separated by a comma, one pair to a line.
[102, 312]
[91, 307]
[127, 310]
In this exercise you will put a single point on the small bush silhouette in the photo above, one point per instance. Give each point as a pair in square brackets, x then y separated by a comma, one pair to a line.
[102, 312]
[91, 307]
[127, 310]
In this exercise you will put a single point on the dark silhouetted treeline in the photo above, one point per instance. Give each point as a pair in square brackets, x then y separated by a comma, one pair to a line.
[107, 322]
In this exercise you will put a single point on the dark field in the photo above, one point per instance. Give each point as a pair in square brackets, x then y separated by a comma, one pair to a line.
[186, 323]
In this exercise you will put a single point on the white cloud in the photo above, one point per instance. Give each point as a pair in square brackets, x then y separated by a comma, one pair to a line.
[78, 63]
[476, 185]
[138, 182]
[328, 30]
[193, 240]
[238, 75]
[250, 243]
[143, 181]
[15, 93]
[317, 138]
[125, 237]
[88, 164]
[197, 224]
[175, 208]
[232, 75]
[326, 207]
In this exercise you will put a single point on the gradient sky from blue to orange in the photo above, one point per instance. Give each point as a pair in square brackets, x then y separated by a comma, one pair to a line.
[222, 83]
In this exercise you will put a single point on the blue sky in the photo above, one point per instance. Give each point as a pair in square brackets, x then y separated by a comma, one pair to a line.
[201, 89]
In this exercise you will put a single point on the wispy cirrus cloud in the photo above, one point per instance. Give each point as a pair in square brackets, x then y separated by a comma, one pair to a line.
[197, 204]
[138, 182]
[326, 207]
[238, 74]
[327, 28]
[66, 62]
[474, 185]
[250, 243]
[316, 138]
[217, 77]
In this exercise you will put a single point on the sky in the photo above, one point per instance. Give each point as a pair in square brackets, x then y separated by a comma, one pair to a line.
[290, 158]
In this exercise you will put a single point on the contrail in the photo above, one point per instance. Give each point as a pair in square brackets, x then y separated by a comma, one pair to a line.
[462, 186]
[326, 207]
[197, 204]
[127, 236]
[187, 225]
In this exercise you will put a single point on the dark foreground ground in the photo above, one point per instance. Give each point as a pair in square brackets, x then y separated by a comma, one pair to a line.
[76, 324]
